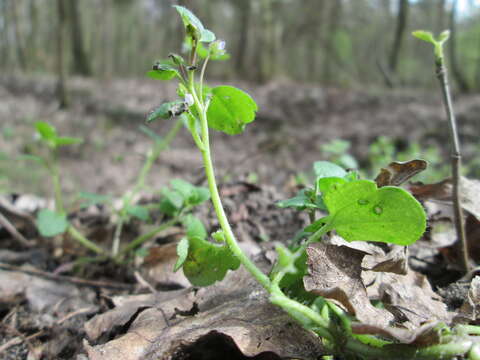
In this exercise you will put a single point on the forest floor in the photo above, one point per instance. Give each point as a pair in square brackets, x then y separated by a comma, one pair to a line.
[52, 308]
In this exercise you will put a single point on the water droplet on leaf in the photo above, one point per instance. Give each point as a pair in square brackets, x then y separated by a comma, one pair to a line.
[377, 209]
[362, 202]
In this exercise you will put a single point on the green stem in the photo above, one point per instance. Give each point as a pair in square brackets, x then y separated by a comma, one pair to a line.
[215, 196]
[57, 187]
[83, 240]
[139, 240]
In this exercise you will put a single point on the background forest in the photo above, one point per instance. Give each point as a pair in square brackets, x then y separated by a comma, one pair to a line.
[342, 43]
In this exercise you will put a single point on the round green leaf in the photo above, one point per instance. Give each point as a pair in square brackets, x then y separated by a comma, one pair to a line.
[327, 169]
[230, 110]
[358, 210]
[207, 263]
[51, 223]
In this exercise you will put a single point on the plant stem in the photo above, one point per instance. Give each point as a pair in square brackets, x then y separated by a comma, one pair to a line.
[215, 196]
[442, 76]
[152, 156]
[83, 240]
[139, 240]
[57, 188]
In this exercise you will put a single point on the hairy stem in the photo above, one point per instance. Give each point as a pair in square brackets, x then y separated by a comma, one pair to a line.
[215, 196]
[442, 76]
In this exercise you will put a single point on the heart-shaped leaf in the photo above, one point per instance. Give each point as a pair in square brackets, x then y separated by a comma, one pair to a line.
[51, 223]
[230, 110]
[358, 210]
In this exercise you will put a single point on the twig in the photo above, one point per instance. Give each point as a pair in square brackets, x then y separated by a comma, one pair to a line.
[14, 232]
[70, 279]
[442, 76]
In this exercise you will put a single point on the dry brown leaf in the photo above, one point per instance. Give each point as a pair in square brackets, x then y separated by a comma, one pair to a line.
[234, 309]
[334, 272]
[158, 266]
[412, 296]
[128, 306]
[395, 261]
[396, 173]
[470, 310]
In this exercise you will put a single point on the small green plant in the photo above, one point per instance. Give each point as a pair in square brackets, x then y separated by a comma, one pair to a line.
[456, 156]
[54, 222]
[357, 209]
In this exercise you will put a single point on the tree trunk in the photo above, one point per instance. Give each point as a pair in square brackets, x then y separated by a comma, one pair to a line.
[456, 72]
[81, 63]
[244, 8]
[62, 95]
[21, 57]
[399, 35]
[333, 25]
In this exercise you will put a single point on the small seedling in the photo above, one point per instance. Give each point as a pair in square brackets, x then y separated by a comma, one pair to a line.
[51, 223]
[442, 76]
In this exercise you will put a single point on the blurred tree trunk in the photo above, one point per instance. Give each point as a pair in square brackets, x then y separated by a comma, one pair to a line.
[62, 94]
[32, 41]
[456, 72]
[440, 23]
[244, 9]
[315, 13]
[335, 15]
[266, 37]
[402, 17]
[4, 30]
[21, 56]
[81, 63]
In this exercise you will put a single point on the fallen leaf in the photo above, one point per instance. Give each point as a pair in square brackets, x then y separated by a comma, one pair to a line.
[236, 310]
[470, 310]
[334, 272]
[396, 173]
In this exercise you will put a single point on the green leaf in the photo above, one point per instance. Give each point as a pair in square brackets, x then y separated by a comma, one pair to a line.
[171, 202]
[300, 202]
[207, 263]
[183, 187]
[199, 195]
[327, 169]
[167, 110]
[138, 211]
[191, 21]
[182, 252]
[424, 35]
[47, 132]
[230, 110]
[194, 227]
[51, 223]
[163, 71]
[93, 199]
[327, 183]
[444, 36]
[358, 210]
[65, 140]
